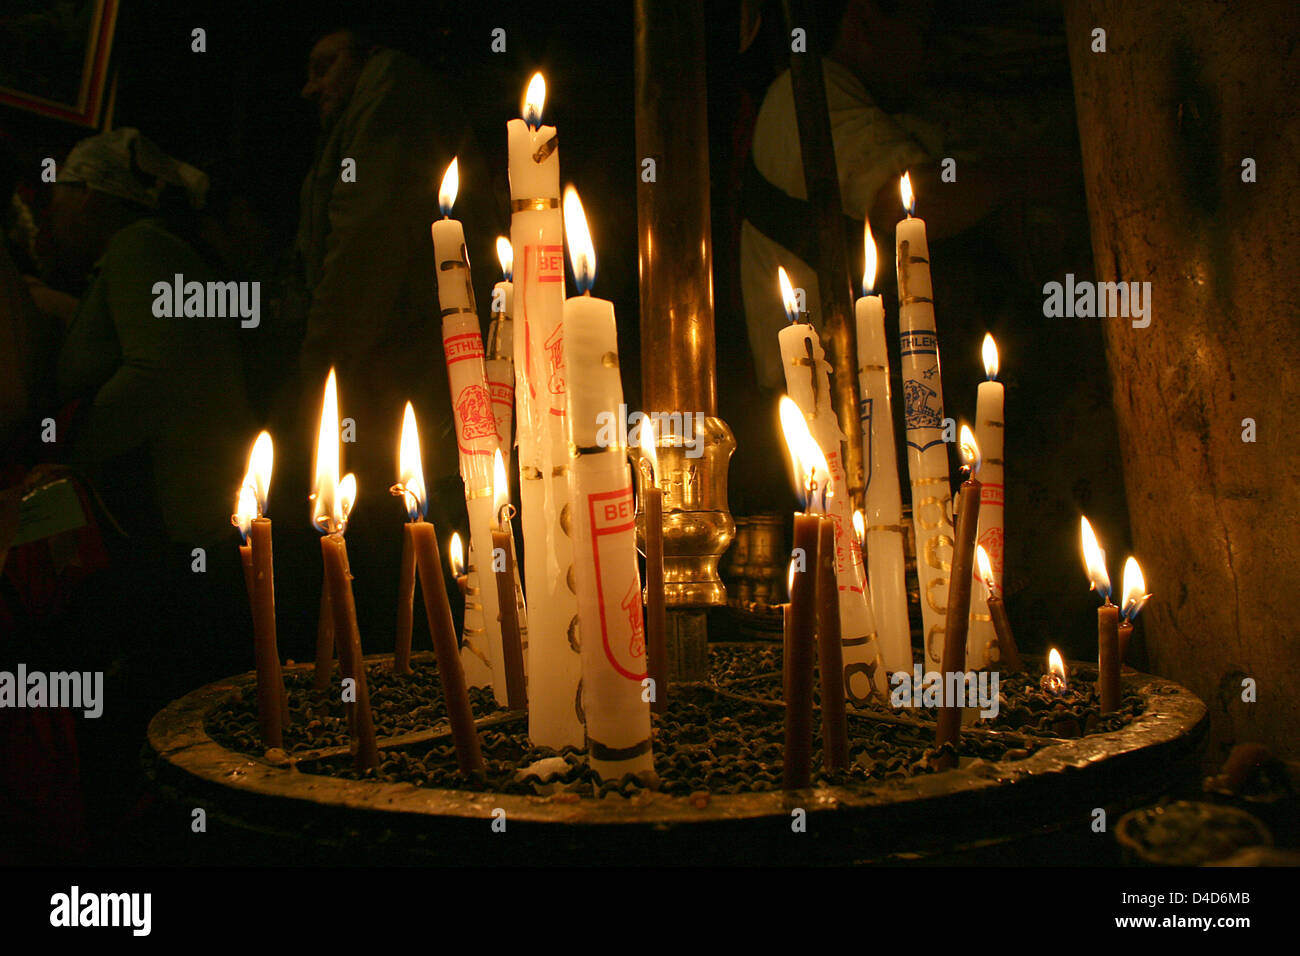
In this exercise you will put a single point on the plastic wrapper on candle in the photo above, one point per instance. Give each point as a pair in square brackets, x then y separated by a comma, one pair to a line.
[605, 557]
[884, 504]
[537, 235]
[927, 453]
[989, 434]
[857, 622]
[476, 429]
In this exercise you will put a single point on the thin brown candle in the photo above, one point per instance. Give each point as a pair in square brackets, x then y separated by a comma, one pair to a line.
[1009, 655]
[348, 641]
[957, 622]
[1107, 620]
[434, 591]
[830, 656]
[324, 636]
[655, 611]
[810, 469]
[503, 566]
[405, 604]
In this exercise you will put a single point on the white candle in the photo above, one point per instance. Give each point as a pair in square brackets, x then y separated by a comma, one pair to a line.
[605, 564]
[927, 452]
[536, 234]
[476, 429]
[807, 378]
[500, 361]
[884, 503]
[989, 433]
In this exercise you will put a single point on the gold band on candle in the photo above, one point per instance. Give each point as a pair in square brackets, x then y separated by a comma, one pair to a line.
[456, 310]
[534, 205]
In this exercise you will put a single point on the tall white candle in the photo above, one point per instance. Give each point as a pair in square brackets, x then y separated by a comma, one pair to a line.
[927, 452]
[476, 429]
[605, 564]
[884, 505]
[537, 235]
[807, 378]
[989, 433]
[500, 361]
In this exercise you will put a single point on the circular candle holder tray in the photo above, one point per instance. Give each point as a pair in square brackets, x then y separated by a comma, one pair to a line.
[1037, 808]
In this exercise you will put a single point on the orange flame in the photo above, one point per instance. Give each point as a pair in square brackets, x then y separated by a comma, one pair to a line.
[909, 198]
[1094, 560]
[990, 355]
[456, 555]
[410, 468]
[811, 471]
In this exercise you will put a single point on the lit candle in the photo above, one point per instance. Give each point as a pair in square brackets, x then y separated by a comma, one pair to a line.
[1135, 597]
[604, 523]
[989, 432]
[410, 487]
[1009, 654]
[503, 567]
[424, 545]
[882, 538]
[333, 499]
[259, 578]
[1094, 560]
[456, 560]
[807, 377]
[500, 362]
[1054, 681]
[948, 728]
[927, 453]
[811, 474]
[476, 426]
[537, 236]
[652, 507]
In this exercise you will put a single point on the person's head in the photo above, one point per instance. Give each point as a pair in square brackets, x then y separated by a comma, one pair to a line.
[333, 68]
[107, 182]
[883, 41]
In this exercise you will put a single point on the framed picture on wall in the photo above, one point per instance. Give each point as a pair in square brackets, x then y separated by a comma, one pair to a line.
[57, 56]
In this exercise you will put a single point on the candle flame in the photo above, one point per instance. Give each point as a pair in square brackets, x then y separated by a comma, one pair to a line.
[860, 527]
[870, 259]
[450, 186]
[245, 507]
[789, 580]
[534, 100]
[990, 351]
[582, 254]
[1094, 560]
[787, 295]
[970, 450]
[325, 512]
[410, 468]
[985, 568]
[456, 555]
[260, 461]
[347, 498]
[1056, 679]
[810, 468]
[909, 198]
[1135, 587]
[647, 439]
[500, 489]
[506, 256]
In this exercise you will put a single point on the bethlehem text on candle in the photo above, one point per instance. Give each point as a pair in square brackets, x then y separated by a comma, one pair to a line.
[84, 689]
[673, 426]
[208, 300]
[959, 689]
[102, 909]
[1098, 300]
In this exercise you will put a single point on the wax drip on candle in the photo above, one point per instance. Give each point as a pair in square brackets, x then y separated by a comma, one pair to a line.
[582, 253]
[1134, 588]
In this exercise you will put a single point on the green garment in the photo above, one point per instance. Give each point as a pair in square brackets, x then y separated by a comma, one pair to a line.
[171, 387]
[371, 307]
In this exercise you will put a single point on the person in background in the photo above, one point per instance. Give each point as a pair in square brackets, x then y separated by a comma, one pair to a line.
[367, 300]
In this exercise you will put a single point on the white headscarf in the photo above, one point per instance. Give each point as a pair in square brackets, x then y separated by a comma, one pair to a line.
[122, 162]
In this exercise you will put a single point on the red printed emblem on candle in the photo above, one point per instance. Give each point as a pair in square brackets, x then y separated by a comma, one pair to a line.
[555, 363]
[463, 347]
[549, 261]
[612, 515]
[474, 409]
[502, 393]
[632, 604]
